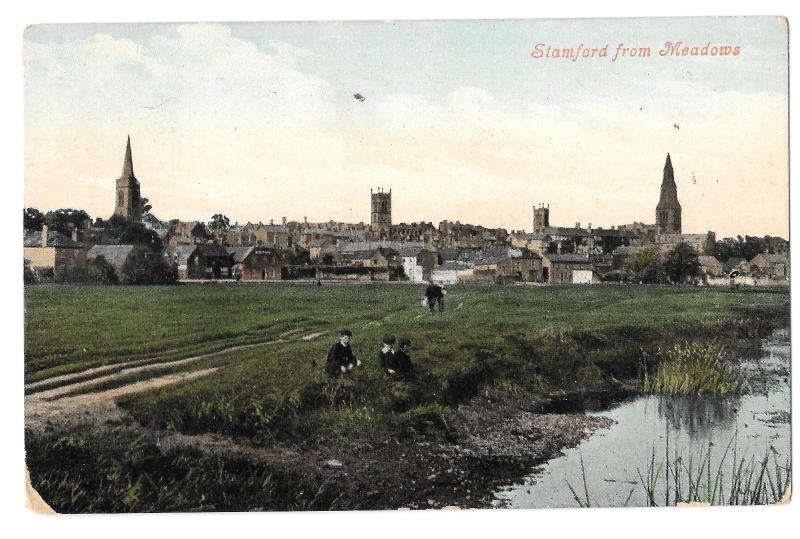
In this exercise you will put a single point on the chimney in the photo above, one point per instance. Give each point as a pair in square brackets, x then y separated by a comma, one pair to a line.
[75, 234]
[590, 228]
[284, 221]
[305, 220]
[270, 222]
[44, 235]
[577, 224]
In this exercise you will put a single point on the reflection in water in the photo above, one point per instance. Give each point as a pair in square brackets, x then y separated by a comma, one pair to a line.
[689, 426]
[696, 415]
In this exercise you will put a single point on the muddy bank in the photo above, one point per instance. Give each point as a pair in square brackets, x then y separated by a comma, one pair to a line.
[490, 444]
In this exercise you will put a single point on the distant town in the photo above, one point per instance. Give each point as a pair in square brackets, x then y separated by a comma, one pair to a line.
[135, 247]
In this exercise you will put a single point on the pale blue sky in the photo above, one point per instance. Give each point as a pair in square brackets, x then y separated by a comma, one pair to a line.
[268, 109]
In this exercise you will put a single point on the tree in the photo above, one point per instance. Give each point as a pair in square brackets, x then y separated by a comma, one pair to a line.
[138, 234]
[746, 247]
[682, 263]
[645, 267]
[219, 223]
[144, 206]
[65, 219]
[99, 271]
[142, 267]
[28, 275]
[32, 219]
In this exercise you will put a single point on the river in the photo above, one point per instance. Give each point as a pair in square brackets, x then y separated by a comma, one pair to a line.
[611, 457]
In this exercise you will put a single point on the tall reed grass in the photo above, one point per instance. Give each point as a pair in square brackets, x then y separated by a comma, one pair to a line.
[734, 479]
[691, 368]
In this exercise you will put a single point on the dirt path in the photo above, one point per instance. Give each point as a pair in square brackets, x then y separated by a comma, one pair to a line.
[51, 408]
[498, 441]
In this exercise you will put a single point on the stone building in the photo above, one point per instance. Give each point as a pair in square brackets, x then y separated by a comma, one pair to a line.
[774, 266]
[128, 201]
[567, 268]
[54, 256]
[381, 215]
[256, 263]
[668, 210]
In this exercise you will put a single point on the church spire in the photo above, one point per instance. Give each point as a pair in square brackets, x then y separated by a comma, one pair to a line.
[668, 211]
[669, 191]
[127, 166]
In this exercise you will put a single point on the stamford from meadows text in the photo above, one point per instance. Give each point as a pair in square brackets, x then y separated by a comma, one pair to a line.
[670, 49]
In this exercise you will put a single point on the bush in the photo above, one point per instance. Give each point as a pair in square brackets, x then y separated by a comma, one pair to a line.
[28, 275]
[148, 268]
[99, 271]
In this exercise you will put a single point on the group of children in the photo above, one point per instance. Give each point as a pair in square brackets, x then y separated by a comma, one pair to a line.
[342, 361]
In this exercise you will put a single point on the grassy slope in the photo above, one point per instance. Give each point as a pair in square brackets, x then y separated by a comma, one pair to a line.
[541, 342]
[73, 328]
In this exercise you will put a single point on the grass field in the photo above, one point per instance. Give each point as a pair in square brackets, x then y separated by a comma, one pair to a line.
[531, 343]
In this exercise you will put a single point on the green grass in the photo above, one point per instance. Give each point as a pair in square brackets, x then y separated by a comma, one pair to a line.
[72, 328]
[86, 471]
[534, 343]
[693, 368]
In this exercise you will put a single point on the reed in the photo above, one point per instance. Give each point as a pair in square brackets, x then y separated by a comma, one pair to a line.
[692, 368]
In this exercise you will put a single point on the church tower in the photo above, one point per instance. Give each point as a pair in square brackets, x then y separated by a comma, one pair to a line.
[668, 211]
[128, 198]
[541, 218]
[381, 216]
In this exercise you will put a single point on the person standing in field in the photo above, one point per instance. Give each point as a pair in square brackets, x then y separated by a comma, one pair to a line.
[388, 360]
[434, 294]
[341, 359]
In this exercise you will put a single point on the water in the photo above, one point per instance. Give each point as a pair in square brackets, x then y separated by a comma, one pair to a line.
[611, 456]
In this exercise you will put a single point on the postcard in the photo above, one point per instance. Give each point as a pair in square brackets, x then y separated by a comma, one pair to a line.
[312, 266]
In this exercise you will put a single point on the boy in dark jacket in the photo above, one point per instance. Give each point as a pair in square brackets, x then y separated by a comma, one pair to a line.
[387, 355]
[402, 359]
[341, 359]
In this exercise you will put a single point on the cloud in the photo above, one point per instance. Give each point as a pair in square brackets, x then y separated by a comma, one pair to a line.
[220, 124]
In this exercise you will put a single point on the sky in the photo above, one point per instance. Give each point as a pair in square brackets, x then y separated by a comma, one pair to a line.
[259, 121]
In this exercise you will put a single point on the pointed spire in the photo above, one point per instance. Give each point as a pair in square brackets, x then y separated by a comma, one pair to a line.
[127, 166]
[669, 191]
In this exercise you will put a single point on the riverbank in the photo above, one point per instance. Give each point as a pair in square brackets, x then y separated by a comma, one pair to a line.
[469, 421]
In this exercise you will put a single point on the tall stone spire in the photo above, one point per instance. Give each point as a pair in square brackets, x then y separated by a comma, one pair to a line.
[668, 211]
[127, 203]
[127, 166]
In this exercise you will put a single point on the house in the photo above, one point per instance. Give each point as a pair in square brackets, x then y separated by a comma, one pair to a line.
[710, 266]
[742, 265]
[316, 247]
[256, 263]
[115, 255]
[774, 266]
[567, 268]
[537, 242]
[525, 268]
[452, 272]
[180, 255]
[621, 256]
[54, 256]
[203, 261]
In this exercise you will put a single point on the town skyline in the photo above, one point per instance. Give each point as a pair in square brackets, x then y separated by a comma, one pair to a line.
[478, 144]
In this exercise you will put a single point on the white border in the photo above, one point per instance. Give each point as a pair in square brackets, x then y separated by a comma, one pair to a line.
[716, 522]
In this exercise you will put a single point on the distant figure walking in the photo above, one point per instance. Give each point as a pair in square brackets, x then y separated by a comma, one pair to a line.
[341, 359]
[434, 294]
[388, 359]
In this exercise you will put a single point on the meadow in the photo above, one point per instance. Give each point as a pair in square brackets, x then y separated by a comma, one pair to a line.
[528, 344]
